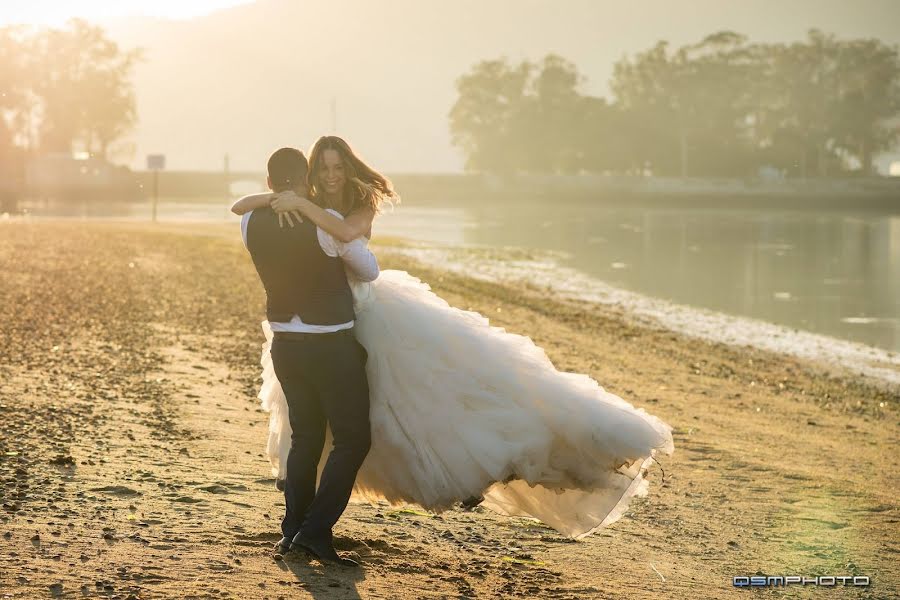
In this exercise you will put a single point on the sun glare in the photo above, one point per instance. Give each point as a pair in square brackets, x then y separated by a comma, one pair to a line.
[57, 12]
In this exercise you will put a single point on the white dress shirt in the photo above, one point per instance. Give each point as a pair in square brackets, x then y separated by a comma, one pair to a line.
[358, 260]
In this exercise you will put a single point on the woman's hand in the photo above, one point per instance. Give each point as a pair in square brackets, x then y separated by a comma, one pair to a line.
[289, 201]
[288, 204]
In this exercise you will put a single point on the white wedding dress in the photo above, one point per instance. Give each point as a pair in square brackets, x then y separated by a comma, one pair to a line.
[460, 409]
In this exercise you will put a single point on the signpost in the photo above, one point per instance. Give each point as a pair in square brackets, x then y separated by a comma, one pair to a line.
[227, 169]
[156, 163]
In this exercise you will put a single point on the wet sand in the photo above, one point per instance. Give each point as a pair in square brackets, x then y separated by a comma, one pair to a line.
[132, 466]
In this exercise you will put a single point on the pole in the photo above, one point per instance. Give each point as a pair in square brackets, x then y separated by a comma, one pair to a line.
[155, 191]
[227, 177]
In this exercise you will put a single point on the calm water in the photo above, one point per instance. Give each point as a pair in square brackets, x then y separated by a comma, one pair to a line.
[834, 273]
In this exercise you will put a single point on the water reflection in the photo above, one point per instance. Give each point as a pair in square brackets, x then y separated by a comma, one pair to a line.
[835, 274]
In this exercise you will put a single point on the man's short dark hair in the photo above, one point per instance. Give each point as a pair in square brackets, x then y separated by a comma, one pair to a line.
[287, 169]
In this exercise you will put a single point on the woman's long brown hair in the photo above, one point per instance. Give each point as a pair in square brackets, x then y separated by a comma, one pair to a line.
[367, 188]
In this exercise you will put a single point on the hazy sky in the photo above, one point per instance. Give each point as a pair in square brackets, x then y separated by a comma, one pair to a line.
[54, 12]
[250, 77]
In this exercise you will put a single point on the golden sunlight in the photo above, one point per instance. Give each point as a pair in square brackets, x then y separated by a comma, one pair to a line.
[57, 12]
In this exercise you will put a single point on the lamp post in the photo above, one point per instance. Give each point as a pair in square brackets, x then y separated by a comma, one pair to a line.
[156, 163]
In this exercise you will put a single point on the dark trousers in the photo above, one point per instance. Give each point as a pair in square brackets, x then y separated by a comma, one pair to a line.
[324, 380]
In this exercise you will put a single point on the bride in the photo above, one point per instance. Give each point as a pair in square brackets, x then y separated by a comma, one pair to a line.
[461, 409]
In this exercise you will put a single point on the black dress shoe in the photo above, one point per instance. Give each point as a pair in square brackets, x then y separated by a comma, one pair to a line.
[471, 502]
[283, 546]
[321, 549]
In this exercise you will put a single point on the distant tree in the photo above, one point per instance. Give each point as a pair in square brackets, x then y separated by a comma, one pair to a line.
[714, 95]
[722, 106]
[605, 138]
[553, 116]
[485, 121]
[527, 117]
[799, 105]
[13, 86]
[867, 97]
[827, 101]
[83, 81]
[14, 111]
[691, 104]
[641, 88]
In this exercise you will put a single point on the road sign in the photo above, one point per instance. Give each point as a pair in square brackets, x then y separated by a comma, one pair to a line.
[156, 162]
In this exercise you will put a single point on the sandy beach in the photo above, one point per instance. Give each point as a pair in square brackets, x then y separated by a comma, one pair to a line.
[132, 465]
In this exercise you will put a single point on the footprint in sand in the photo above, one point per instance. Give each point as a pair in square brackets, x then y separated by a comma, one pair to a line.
[184, 499]
[116, 490]
[215, 489]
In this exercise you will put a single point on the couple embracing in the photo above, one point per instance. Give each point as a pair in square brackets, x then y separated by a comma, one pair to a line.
[422, 403]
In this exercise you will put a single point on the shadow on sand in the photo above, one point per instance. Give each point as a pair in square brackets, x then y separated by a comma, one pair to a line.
[322, 580]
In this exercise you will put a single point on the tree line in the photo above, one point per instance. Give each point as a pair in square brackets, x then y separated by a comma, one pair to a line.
[721, 107]
[63, 90]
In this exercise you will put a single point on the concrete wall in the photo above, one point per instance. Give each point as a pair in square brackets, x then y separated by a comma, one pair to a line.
[438, 189]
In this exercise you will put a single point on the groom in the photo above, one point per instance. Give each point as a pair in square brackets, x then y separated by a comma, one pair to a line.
[317, 360]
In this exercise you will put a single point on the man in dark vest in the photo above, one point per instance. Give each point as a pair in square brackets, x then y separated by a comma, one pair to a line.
[318, 361]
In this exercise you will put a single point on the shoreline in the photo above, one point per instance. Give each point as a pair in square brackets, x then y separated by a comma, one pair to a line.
[543, 271]
[129, 368]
